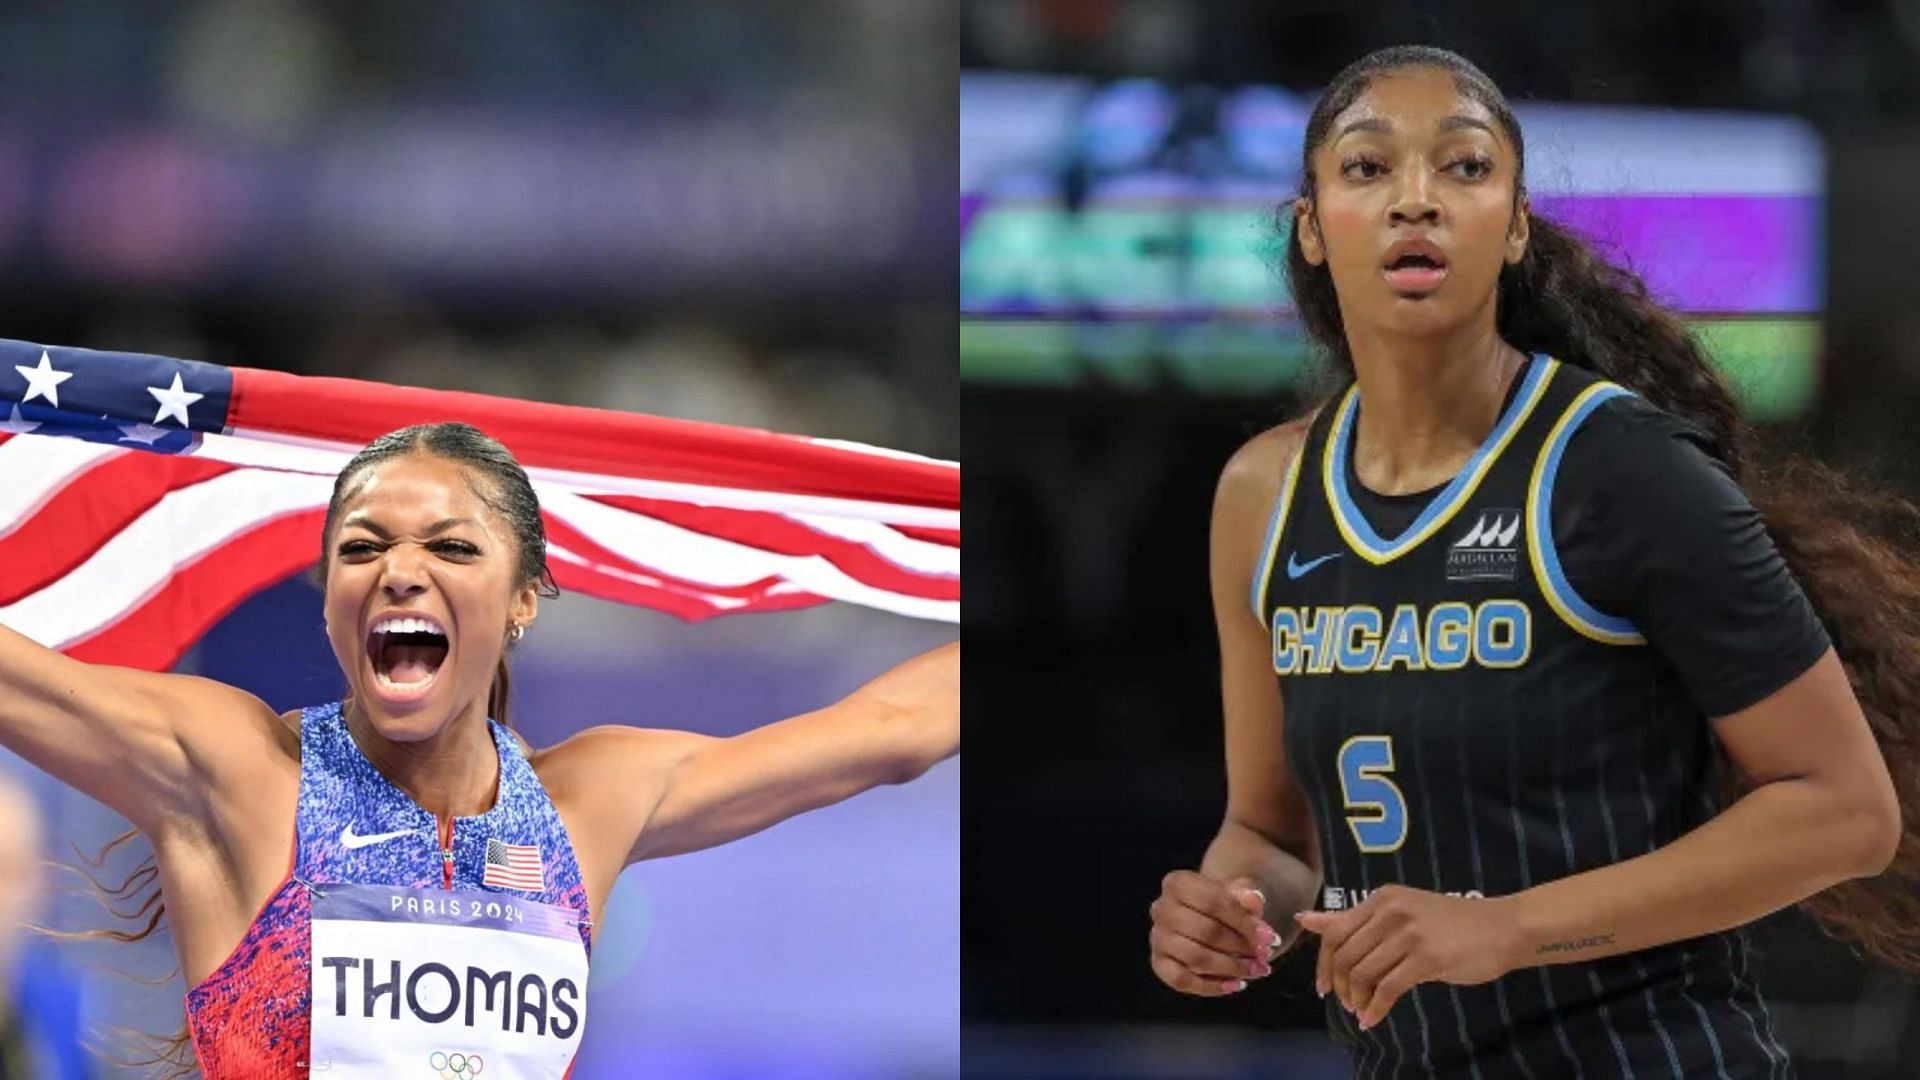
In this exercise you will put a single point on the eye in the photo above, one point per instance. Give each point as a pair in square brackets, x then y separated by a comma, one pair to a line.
[1348, 166]
[1480, 166]
[458, 547]
[356, 547]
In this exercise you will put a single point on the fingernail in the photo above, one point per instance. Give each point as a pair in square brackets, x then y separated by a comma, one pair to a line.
[1258, 970]
[1320, 989]
[1267, 935]
[1236, 986]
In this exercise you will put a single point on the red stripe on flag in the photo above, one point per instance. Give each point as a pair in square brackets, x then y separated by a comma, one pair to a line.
[564, 535]
[946, 537]
[88, 512]
[572, 437]
[785, 536]
[154, 634]
[682, 603]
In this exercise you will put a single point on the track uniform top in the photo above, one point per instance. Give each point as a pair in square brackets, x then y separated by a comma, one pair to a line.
[394, 950]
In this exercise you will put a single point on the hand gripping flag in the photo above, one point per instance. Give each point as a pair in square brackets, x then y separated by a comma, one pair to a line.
[142, 498]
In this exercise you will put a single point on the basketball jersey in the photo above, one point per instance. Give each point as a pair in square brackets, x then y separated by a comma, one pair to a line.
[1462, 721]
[251, 1016]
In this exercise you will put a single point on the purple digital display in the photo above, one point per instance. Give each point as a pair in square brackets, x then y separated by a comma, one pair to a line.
[1707, 254]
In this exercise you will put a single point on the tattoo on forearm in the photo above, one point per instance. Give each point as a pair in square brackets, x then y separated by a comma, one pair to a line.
[1576, 944]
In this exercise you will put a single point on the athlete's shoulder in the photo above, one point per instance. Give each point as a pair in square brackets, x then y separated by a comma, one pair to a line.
[1627, 429]
[1630, 464]
[1252, 477]
[1244, 503]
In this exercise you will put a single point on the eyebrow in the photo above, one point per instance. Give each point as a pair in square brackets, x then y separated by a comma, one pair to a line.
[1385, 127]
[434, 529]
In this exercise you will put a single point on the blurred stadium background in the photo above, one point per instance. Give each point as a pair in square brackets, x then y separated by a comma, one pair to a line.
[729, 212]
[1123, 329]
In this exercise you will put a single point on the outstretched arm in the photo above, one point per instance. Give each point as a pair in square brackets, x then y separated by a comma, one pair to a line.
[144, 743]
[671, 792]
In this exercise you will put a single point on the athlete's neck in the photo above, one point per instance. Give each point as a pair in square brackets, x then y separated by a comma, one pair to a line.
[1426, 404]
[455, 773]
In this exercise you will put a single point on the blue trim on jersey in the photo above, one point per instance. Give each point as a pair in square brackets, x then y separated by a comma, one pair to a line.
[1265, 570]
[1583, 616]
[1270, 544]
[1354, 525]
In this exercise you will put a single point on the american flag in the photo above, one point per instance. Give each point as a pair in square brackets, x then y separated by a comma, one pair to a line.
[143, 497]
[513, 866]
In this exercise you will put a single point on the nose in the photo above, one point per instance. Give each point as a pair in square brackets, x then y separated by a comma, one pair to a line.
[402, 572]
[1414, 201]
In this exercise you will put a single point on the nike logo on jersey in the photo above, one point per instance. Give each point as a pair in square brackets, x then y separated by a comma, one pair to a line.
[351, 840]
[1297, 570]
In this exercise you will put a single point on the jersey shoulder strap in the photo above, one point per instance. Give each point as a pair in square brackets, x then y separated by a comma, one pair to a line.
[1575, 401]
[1310, 448]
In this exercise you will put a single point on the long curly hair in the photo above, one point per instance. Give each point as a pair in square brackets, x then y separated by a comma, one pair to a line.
[1855, 551]
[506, 490]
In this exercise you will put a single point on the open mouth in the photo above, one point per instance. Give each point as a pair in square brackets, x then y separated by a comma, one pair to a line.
[406, 654]
[1414, 272]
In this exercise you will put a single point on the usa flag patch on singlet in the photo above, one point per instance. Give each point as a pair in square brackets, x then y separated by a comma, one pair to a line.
[513, 866]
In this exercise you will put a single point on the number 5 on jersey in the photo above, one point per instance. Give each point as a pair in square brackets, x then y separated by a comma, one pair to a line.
[1376, 811]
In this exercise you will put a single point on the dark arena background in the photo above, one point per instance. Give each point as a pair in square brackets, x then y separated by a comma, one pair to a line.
[1123, 330]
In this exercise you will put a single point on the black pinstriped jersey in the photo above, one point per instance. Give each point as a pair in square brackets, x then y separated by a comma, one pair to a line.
[1464, 720]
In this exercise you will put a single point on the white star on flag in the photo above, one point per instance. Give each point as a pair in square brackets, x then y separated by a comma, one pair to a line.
[17, 426]
[173, 401]
[43, 381]
[145, 434]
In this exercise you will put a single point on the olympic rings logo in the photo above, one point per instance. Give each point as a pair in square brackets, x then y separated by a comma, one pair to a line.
[456, 1066]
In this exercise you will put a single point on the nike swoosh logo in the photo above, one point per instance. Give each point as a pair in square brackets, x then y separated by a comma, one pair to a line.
[350, 840]
[1297, 569]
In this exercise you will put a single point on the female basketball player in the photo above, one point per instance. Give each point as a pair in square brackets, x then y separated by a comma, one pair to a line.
[358, 886]
[1520, 608]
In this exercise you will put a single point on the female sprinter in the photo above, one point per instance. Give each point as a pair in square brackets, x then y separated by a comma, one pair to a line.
[355, 888]
[1520, 610]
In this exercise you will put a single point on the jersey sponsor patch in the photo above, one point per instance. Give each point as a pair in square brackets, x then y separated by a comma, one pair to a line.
[1339, 898]
[1489, 551]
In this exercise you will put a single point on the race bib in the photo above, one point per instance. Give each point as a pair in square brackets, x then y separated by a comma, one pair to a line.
[431, 984]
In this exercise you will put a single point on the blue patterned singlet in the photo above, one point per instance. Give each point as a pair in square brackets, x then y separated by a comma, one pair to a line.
[250, 1017]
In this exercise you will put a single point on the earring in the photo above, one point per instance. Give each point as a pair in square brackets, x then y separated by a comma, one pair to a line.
[517, 632]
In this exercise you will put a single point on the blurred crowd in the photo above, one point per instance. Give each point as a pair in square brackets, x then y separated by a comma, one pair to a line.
[1820, 59]
[728, 212]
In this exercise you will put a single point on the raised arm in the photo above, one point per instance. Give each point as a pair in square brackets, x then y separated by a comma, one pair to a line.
[669, 792]
[1215, 928]
[144, 744]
